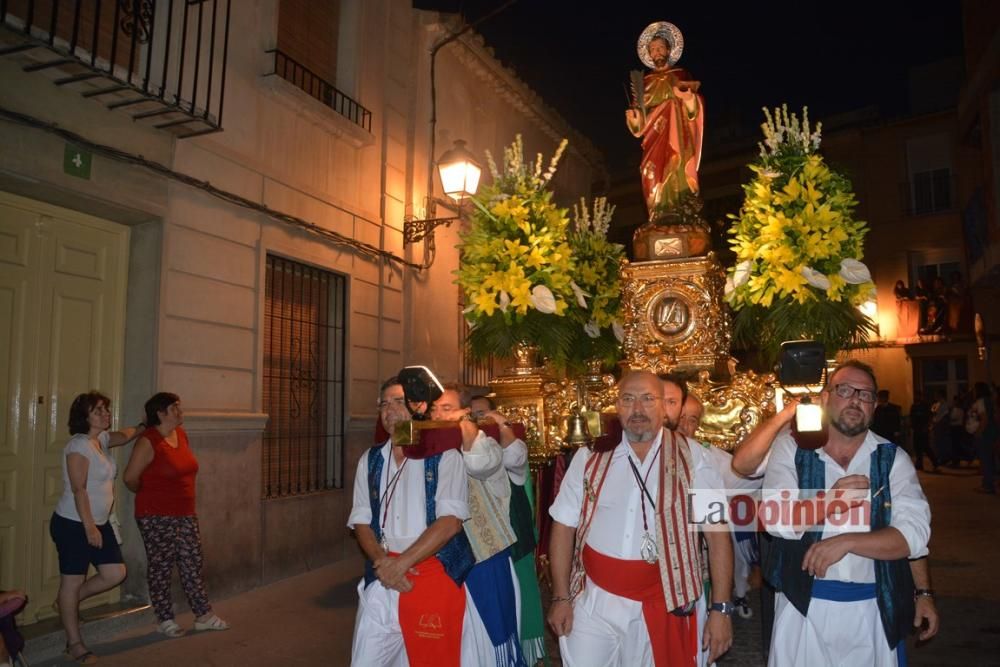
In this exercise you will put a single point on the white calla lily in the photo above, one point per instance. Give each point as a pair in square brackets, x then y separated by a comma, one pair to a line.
[741, 274]
[504, 301]
[730, 286]
[854, 272]
[581, 296]
[815, 278]
[592, 329]
[618, 330]
[542, 299]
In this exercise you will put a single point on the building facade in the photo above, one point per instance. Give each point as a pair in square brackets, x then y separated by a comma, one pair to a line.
[215, 207]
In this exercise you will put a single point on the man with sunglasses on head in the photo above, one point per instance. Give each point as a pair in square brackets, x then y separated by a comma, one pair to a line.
[625, 563]
[845, 593]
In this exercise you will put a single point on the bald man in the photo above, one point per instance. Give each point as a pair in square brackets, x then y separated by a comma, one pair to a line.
[625, 563]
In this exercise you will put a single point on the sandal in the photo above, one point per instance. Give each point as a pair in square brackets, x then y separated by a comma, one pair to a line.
[170, 628]
[213, 623]
[85, 658]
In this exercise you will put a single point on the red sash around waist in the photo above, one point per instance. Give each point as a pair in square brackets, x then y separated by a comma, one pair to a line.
[430, 616]
[674, 638]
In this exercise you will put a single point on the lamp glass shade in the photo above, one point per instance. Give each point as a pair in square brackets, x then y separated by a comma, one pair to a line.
[808, 417]
[459, 172]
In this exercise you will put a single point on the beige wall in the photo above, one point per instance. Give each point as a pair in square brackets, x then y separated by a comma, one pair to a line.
[195, 311]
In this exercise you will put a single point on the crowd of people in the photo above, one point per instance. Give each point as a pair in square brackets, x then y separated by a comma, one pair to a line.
[941, 308]
[642, 571]
[951, 433]
[84, 526]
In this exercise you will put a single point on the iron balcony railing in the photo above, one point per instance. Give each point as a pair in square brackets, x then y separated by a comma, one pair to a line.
[161, 61]
[305, 79]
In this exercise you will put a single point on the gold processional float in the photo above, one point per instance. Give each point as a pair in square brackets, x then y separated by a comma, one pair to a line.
[674, 315]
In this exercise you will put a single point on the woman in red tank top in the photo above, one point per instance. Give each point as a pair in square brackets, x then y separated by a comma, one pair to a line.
[162, 473]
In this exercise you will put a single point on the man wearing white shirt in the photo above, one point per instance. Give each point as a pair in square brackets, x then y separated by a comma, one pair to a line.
[845, 592]
[744, 547]
[407, 516]
[492, 583]
[515, 460]
[624, 558]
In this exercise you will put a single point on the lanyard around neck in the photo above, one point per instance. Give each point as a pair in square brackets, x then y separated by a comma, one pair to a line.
[642, 482]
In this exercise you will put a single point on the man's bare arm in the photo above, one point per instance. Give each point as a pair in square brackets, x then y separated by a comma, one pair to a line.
[392, 570]
[431, 540]
[560, 615]
[366, 540]
[751, 452]
[720, 564]
[718, 633]
[925, 609]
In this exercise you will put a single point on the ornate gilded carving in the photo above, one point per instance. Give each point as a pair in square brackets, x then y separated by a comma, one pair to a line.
[734, 407]
[519, 395]
[674, 314]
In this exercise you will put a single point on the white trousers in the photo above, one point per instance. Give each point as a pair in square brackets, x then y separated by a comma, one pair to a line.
[834, 634]
[378, 638]
[608, 631]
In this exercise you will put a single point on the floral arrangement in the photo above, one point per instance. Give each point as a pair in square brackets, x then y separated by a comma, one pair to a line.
[528, 276]
[598, 283]
[798, 247]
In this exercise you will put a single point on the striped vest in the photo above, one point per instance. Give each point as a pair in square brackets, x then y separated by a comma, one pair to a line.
[680, 561]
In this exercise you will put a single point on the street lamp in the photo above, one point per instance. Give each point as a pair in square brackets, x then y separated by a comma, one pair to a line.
[459, 172]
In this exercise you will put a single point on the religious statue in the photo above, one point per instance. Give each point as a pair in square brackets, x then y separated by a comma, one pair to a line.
[668, 113]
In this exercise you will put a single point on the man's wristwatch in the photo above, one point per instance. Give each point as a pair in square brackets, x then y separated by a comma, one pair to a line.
[923, 593]
[724, 608]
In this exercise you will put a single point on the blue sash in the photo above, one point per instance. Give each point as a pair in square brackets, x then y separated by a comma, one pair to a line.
[491, 587]
[846, 591]
[893, 580]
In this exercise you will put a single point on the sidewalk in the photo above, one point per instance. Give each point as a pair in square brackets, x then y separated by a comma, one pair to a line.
[303, 620]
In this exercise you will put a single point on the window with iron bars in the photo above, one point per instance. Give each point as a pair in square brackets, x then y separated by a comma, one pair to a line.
[304, 315]
[472, 372]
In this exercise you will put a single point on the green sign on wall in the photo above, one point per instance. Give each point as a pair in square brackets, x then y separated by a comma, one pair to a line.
[76, 161]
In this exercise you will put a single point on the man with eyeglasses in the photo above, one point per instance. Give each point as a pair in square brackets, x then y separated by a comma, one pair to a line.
[407, 516]
[845, 592]
[492, 583]
[625, 563]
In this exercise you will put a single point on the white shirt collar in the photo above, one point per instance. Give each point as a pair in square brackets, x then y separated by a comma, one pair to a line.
[625, 449]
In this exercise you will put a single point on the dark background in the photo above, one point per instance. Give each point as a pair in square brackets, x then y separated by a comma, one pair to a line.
[831, 57]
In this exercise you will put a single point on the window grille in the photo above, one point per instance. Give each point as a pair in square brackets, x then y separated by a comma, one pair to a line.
[473, 372]
[304, 315]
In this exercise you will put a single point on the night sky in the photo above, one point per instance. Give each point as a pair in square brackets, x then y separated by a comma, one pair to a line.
[833, 57]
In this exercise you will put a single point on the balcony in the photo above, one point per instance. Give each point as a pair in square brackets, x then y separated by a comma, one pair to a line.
[316, 87]
[163, 62]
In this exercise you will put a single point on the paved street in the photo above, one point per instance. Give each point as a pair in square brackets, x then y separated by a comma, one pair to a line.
[308, 620]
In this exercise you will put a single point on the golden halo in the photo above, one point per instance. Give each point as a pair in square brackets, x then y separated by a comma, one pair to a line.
[664, 30]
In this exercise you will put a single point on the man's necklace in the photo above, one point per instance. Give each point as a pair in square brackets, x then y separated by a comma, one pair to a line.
[648, 549]
[390, 491]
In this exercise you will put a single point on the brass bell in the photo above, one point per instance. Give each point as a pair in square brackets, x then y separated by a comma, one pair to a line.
[577, 431]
